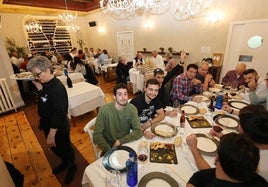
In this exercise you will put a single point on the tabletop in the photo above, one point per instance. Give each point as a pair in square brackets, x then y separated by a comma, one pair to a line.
[181, 172]
[75, 77]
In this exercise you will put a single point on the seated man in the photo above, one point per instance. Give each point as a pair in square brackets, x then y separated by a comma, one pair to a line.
[163, 93]
[122, 71]
[149, 107]
[252, 83]
[138, 60]
[115, 120]
[158, 60]
[254, 124]
[259, 99]
[185, 84]
[204, 76]
[230, 169]
[235, 75]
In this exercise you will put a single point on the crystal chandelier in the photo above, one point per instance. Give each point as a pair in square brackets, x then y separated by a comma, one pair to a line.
[187, 9]
[32, 26]
[122, 9]
[69, 19]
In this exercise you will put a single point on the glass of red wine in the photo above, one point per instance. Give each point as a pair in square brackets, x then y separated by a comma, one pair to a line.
[143, 154]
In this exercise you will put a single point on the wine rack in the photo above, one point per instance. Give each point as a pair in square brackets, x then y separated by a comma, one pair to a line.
[53, 37]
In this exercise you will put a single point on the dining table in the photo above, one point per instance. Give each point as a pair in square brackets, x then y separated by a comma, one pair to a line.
[84, 97]
[185, 166]
[137, 79]
[74, 76]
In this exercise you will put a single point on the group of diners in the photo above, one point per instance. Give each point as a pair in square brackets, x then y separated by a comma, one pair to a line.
[241, 158]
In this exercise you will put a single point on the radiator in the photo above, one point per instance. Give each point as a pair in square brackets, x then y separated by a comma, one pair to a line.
[6, 99]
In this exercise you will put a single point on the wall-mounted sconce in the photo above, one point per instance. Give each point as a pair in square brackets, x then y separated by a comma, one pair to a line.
[148, 24]
[102, 29]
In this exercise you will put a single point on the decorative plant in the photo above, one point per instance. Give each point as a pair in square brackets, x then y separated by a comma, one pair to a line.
[170, 49]
[144, 49]
[81, 43]
[12, 47]
[162, 49]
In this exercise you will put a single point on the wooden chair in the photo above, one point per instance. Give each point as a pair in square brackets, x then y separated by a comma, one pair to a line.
[89, 128]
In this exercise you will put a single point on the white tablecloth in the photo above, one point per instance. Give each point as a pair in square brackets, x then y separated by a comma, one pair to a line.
[75, 77]
[106, 66]
[94, 62]
[137, 79]
[94, 175]
[84, 97]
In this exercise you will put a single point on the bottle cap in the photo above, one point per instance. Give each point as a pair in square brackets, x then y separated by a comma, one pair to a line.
[131, 154]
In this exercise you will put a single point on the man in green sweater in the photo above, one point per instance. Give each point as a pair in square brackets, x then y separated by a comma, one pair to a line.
[117, 122]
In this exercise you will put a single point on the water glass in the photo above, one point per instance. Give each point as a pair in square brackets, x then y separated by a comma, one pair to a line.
[176, 105]
[113, 178]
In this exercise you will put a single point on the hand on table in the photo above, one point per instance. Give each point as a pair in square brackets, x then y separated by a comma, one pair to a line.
[212, 132]
[191, 141]
[172, 113]
[148, 134]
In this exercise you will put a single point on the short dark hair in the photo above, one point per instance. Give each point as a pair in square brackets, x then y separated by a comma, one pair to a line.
[194, 66]
[158, 71]
[153, 82]
[254, 122]
[119, 86]
[248, 71]
[238, 155]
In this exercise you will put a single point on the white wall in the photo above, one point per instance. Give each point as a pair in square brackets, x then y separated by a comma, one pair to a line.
[190, 35]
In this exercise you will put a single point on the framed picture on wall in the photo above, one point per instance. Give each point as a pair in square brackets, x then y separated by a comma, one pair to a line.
[217, 59]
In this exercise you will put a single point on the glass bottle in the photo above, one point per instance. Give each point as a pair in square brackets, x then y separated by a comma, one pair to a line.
[219, 101]
[211, 105]
[182, 122]
[68, 80]
[132, 170]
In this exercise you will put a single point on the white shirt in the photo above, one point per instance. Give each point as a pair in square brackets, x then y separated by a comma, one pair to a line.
[260, 90]
[263, 164]
[158, 61]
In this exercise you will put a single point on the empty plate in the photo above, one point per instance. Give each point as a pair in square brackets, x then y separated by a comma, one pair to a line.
[226, 121]
[238, 104]
[206, 145]
[115, 158]
[157, 179]
[190, 109]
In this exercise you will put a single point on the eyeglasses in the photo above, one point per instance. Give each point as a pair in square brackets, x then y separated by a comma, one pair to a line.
[37, 74]
[158, 70]
[266, 79]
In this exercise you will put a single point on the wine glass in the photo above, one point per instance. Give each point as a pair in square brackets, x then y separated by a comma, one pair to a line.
[113, 178]
[143, 153]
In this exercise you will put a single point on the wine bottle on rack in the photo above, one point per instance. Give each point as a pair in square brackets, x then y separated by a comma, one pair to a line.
[69, 81]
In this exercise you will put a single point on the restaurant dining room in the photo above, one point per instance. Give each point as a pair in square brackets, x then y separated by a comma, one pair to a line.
[62, 63]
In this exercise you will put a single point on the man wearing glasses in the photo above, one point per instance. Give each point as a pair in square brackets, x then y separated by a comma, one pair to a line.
[53, 110]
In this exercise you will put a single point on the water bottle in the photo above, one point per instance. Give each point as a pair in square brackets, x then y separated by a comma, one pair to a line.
[68, 80]
[132, 170]
[219, 101]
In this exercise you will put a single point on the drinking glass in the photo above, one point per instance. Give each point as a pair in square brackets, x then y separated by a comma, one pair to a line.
[176, 106]
[143, 154]
[113, 178]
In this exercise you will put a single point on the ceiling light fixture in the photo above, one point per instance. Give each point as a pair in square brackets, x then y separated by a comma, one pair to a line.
[126, 9]
[188, 9]
[32, 26]
[69, 19]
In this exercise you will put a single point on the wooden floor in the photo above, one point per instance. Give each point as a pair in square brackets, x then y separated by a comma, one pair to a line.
[79, 138]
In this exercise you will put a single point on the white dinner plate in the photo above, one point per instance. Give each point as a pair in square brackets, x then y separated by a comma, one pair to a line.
[157, 179]
[237, 104]
[190, 109]
[212, 89]
[226, 121]
[115, 158]
[164, 129]
[207, 145]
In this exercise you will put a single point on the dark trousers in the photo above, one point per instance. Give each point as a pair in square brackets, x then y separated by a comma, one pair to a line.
[64, 148]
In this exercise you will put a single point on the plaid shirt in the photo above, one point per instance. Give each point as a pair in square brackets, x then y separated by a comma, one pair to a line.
[182, 89]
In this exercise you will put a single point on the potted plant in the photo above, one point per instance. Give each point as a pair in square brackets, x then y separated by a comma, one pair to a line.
[162, 49]
[170, 49]
[12, 47]
[144, 49]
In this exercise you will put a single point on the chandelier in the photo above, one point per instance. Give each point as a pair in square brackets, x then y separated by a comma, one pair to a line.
[130, 8]
[188, 9]
[32, 26]
[69, 19]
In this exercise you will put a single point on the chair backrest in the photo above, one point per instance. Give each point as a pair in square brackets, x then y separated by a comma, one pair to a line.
[89, 129]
